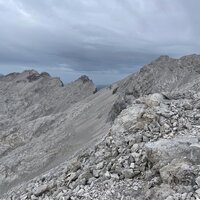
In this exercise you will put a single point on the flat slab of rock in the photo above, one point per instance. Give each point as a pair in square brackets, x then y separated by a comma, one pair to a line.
[40, 190]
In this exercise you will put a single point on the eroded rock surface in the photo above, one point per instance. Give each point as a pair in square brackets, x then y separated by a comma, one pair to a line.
[43, 122]
[151, 151]
[164, 74]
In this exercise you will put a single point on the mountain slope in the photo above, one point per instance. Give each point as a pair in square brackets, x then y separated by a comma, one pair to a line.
[165, 74]
[44, 124]
[151, 152]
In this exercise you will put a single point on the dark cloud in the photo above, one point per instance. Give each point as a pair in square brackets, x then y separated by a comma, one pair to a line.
[104, 39]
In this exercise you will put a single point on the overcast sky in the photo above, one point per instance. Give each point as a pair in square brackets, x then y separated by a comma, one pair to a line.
[104, 39]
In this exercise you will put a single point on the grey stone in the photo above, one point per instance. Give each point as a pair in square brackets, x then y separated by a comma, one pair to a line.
[187, 106]
[33, 197]
[132, 165]
[100, 165]
[198, 181]
[128, 173]
[169, 198]
[107, 174]
[96, 173]
[115, 176]
[72, 177]
[126, 153]
[198, 192]
[40, 190]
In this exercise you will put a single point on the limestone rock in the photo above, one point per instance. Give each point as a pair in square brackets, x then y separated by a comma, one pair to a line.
[40, 190]
[136, 139]
[44, 122]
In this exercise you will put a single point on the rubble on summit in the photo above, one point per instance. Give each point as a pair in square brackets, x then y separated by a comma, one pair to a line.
[137, 139]
[152, 151]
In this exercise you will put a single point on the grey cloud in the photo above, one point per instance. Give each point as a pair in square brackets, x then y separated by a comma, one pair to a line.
[95, 37]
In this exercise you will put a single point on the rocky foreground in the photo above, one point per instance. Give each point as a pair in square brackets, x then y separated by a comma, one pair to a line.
[152, 151]
[141, 139]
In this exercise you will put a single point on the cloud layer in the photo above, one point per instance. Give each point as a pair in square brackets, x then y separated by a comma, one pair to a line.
[104, 39]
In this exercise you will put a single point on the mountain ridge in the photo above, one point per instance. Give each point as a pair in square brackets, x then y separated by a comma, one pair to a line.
[162, 74]
[75, 117]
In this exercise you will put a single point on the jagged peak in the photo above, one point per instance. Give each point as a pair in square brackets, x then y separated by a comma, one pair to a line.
[25, 72]
[45, 74]
[34, 75]
[84, 78]
[31, 71]
[13, 74]
[30, 75]
[162, 58]
[192, 56]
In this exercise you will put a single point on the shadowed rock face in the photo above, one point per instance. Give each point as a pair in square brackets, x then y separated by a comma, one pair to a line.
[44, 123]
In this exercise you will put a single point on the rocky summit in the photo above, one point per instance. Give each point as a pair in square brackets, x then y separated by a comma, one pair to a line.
[137, 139]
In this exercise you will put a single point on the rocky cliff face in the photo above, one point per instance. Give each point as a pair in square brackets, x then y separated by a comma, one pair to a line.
[164, 74]
[43, 122]
[150, 152]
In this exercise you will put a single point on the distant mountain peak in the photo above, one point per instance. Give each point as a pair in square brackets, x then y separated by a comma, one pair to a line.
[163, 57]
[34, 75]
[31, 71]
[84, 78]
[164, 74]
